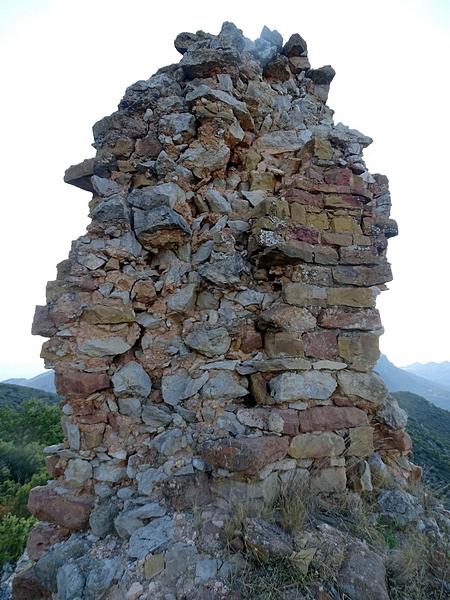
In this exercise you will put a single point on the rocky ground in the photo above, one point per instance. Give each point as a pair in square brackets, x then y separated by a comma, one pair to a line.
[296, 546]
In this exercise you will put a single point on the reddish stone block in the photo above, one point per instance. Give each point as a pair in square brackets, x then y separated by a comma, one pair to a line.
[251, 341]
[341, 400]
[42, 536]
[244, 455]
[43, 323]
[330, 418]
[339, 176]
[305, 234]
[321, 344]
[343, 317]
[303, 197]
[65, 509]
[343, 201]
[76, 384]
[289, 417]
[390, 439]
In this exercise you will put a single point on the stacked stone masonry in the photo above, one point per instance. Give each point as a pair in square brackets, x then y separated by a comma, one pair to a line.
[214, 331]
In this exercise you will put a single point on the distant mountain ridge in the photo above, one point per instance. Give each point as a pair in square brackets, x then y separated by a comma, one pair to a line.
[436, 372]
[12, 396]
[400, 380]
[43, 381]
[429, 428]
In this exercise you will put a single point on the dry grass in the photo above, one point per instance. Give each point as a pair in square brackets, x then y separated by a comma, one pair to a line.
[418, 566]
[419, 569]
[293, 506]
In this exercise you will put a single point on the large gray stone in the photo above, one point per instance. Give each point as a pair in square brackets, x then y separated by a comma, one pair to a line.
[164, 194]
[368, 386]
[180, 559]
[202, 161]
[153, 537]
[147, 480]
[162, 217]
[278, 142]
[180, 386]
[392, 414]
[111, 210]
[239, 108]
[224, 271]
[156, 416]
[399, 506]
[130, 406]
[289, 387]
[180, 126]
[210, 342]
[78, 471]
[47, 566]
[105, 187]
[99, 347]
[131, 380]
[266, 540]
[223, 385]
[169, 442]
[102, 573]
[70, 582]
[129, 521]
[183, 299]
[217, 202]
[206, 569]
[101, 519]
[362, 575]
[111, 470]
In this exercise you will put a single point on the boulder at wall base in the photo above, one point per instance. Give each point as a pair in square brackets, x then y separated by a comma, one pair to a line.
[399, 506]
[245, 455]
[266, 540]
[42, 537]
[26, 586]
[362, 574]
[66, 509]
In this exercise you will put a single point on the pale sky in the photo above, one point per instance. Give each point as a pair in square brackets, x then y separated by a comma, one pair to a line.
[65, 64]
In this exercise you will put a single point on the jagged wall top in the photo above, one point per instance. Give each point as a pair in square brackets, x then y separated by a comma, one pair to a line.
[214, 331]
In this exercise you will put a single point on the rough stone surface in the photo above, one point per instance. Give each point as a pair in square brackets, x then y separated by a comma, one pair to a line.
[151, 538]
[247, 455]
[399, 506]
[363, 574]
[48, 503]
[266, 540]
[368, 386]
[214, 330]
[308, 445]
[331, 418]
[131, 380]
[293, 386]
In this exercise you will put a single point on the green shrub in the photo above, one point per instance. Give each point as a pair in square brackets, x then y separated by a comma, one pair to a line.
[13, 535]
[33, 421]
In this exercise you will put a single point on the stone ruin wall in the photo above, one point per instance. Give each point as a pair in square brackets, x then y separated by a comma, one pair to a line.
[214, 331]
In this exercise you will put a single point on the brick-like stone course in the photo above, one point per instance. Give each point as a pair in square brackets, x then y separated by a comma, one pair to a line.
[219, 313]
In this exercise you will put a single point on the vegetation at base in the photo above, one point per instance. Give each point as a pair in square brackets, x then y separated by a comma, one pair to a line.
[26, 427]
[417, 565]
[12, 396]
[429, 428]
